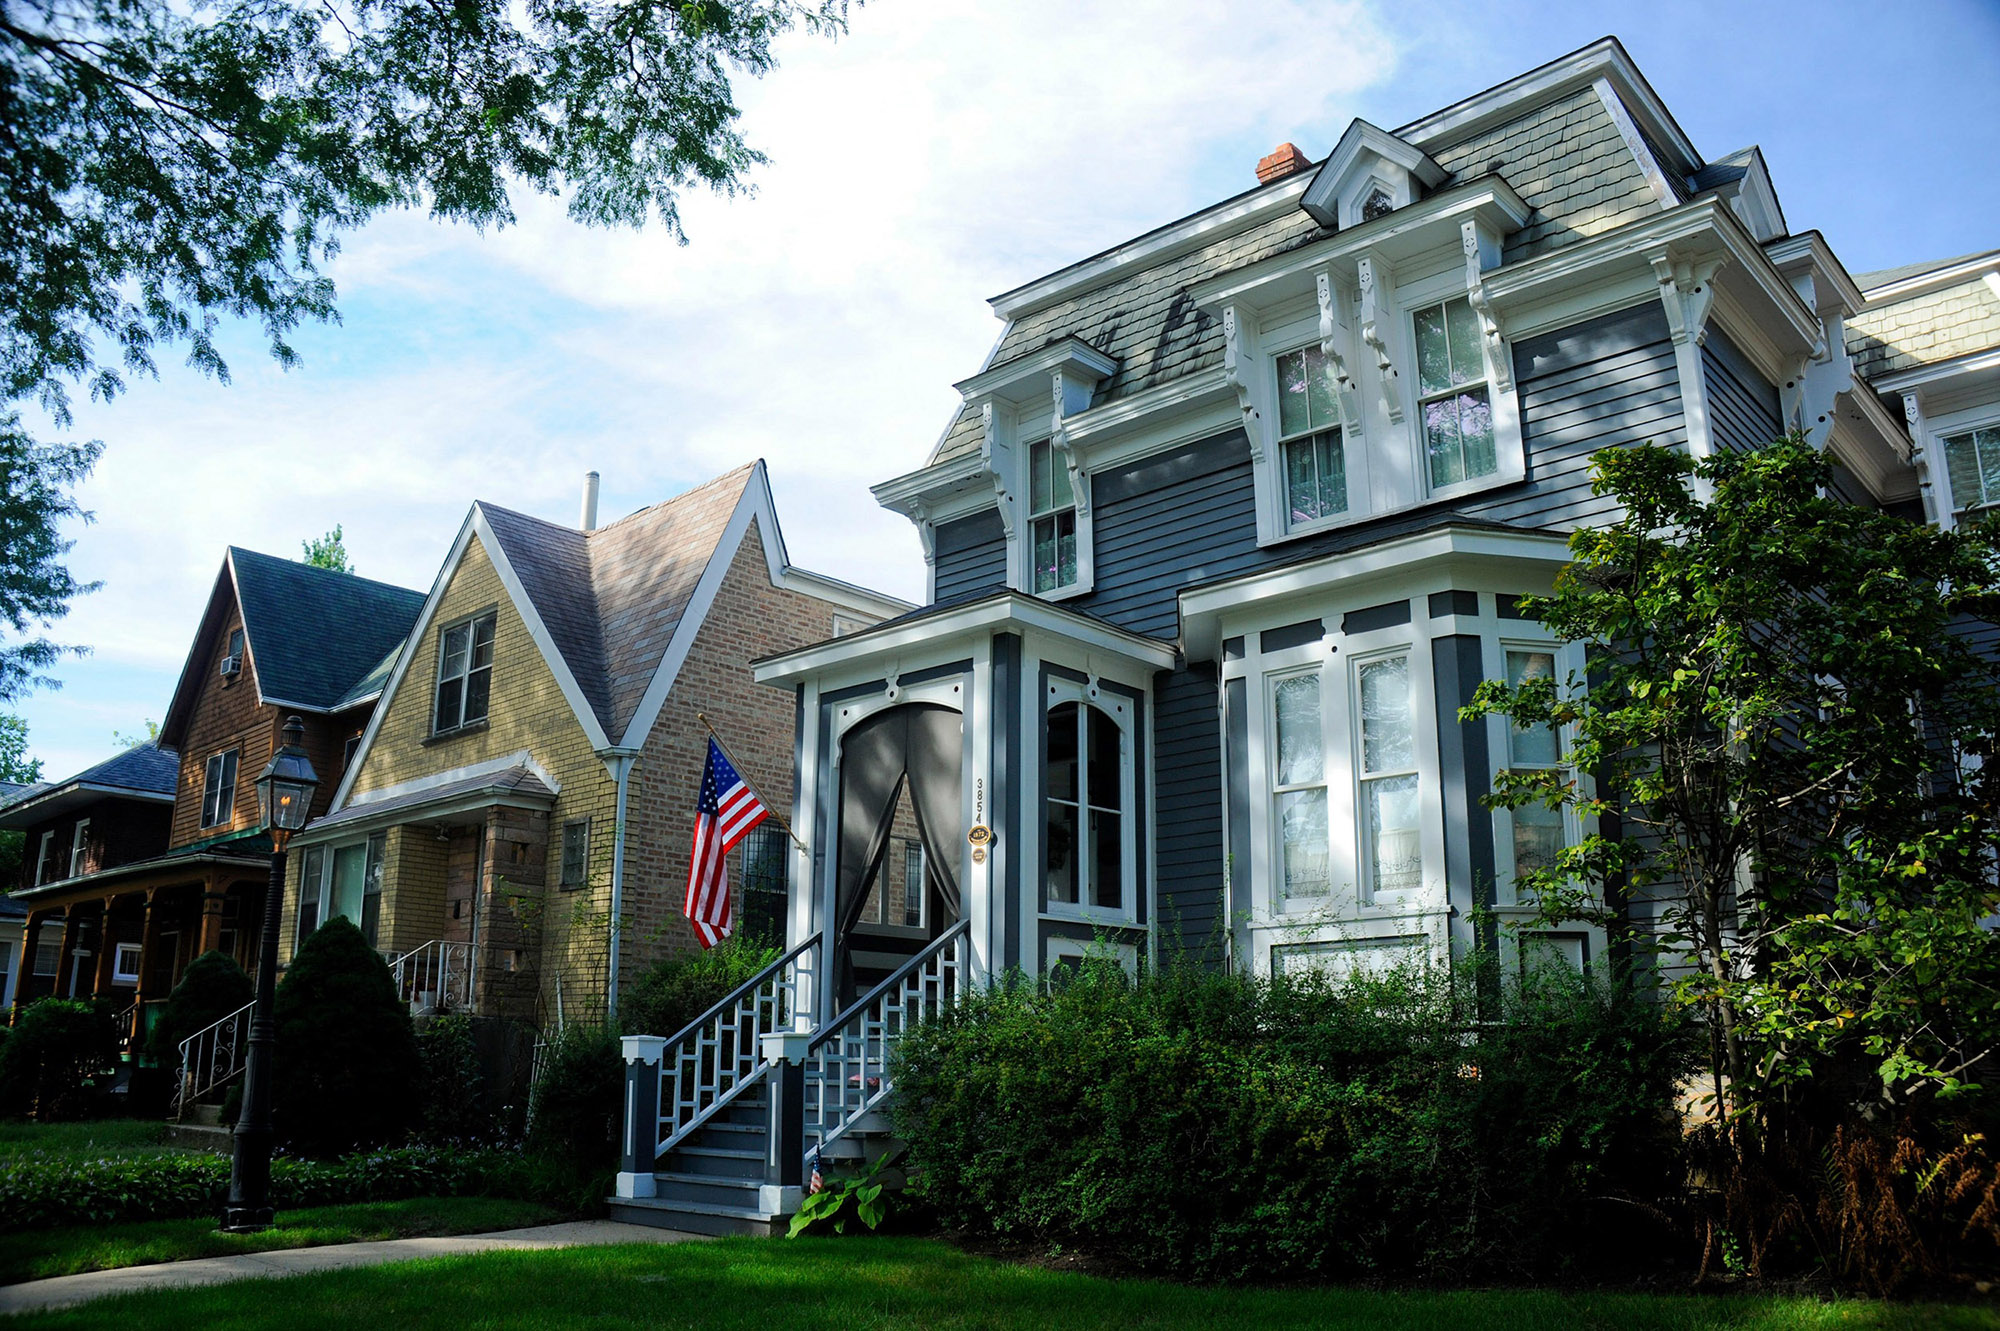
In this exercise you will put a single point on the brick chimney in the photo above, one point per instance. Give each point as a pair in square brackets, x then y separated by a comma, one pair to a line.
[1285, 160]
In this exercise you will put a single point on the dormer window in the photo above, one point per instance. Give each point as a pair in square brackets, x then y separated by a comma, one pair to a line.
[1051, 519]
[1454, 402]
[1379, 204]
[1315, 458]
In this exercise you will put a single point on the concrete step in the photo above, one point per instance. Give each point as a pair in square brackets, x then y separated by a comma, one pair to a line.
[194, 1136]
[203, 1116]
[695, 1217]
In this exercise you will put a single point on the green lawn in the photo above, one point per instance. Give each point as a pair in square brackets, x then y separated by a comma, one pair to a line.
[92, 1140]
[61, 1252]
[880, 1284]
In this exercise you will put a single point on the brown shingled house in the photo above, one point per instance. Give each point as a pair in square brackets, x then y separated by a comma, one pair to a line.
[531, 770]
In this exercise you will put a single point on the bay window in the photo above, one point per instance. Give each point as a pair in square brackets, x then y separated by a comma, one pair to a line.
[1538, 830]
[1087, 795]
[1387, 774]
[1298, 788]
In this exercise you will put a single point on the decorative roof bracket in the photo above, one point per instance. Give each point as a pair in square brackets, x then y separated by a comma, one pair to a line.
[1063, 390]
[998, 454]
[1499, 365]
[1238, 373]
[1371, 298]
[1687, 290]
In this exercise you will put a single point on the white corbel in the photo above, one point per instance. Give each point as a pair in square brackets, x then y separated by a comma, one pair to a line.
[1499, 365]
[1329, 323]
[1371, 334]
[920, 514]
[1936, 507]
[1687, 290]
[1079, 480]
[998, 453]
[1239, 375]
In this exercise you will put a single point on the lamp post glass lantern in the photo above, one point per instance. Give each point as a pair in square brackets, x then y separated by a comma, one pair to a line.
[285, 796]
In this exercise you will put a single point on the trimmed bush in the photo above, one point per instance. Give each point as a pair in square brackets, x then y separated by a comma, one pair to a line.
[65, 1191]
[452, 1087]
[671, 994]
[1225, 1128]
[347, 1069]
[212, 987]
[59, 1049]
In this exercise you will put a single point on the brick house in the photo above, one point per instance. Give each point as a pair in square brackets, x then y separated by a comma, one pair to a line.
[532, 767]
[141, 863]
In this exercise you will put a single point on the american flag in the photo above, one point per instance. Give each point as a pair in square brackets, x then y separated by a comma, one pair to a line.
[723, 815]
[818, 1181]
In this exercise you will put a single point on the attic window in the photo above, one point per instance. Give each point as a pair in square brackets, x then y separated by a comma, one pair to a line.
[465, 673]
[1379, 204]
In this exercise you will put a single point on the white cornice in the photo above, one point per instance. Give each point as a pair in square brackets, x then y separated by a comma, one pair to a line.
[1203, 228]
[1202, 608]
[1026, 378]
[1919, 375]
[991, 614]
[1809, 252]
[1948, 276]
[1605, 58]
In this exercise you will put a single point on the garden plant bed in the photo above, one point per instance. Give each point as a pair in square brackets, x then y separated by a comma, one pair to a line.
[896, 1283]
[96, 1139]
[38, 1254]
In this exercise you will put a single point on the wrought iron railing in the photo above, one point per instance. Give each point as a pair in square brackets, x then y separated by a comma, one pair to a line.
[847, 1062]
[436, 977]
[212, 1056]
[720, 1054]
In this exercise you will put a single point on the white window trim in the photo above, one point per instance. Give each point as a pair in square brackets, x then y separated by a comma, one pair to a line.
[1280, 903]
[1934, 431]
[1353, 453]
[921, 887]
[120, 974]
[1387, 464]
[329, 852]
[42, 850]
[79, 847]
[1076, 509]
[1120, 709]
[1569, 663]
[1413, 649]
[211, 768]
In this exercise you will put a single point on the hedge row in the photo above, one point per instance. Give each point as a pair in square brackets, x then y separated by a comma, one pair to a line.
[36, 1193]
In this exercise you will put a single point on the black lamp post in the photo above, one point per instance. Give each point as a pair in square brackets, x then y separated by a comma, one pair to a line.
[284, 794]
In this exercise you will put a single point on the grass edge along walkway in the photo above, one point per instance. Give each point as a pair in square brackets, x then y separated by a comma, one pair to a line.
[885, 1284]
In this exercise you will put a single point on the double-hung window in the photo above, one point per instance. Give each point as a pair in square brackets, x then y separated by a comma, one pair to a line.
[1311, 443]
[79, 848]
[1389, 783]
[1298, 788]
[218, 790]
[1972, 461]
[1538, 830]
[45, 859]
[342, 880]
[1084, 792]
[1051, 519]
[1455, 404]
[465, 673]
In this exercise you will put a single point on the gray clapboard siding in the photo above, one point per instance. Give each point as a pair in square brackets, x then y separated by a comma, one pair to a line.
[1743, 409]
[1187, 795]
[970, 555]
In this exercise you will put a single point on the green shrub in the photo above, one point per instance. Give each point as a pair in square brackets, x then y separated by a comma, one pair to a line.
[47, 1191]
[578, 1102]
[671, 994]
[452, 1082]
[347, 1070]
[59, 1049]
[212, 987]
[1220, 1127]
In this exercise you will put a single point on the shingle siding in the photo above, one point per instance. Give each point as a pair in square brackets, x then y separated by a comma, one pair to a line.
[1925, 329]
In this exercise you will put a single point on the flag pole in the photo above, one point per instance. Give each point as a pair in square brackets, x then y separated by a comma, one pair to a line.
[779, 818]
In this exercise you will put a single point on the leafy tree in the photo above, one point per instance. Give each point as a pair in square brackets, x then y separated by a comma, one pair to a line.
[163, 166]
[36, 484]
[347, 1070]
[58, 1049]
[1793, 731]
[212, 987]
[328, 552]
[15, 766]
[151, 732]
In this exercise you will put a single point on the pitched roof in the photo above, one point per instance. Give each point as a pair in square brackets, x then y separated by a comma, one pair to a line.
[144, 771]
[1883, 277]
[314, 633]
[611, 598]
[518, 781]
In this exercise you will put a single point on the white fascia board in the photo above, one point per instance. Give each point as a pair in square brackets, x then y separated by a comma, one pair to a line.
[1809, 252]
[846, 594]
[1635, 143]
[1918, 376]
[1949, 276]
[1000, 611]
[1605, 58]
[1202, 608]
[962, 481]
[424, 617]
[1176, 238]
[1194, 406]
[1706, 226]
[50, 802]
[1026, 378]
[1869, 443]
[1331, 176]
[291, 706]
[985, 363]
[1417, 228]
[471, 771]
[362, 823]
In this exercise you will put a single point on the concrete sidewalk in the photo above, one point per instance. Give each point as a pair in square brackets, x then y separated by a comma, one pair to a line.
[62, 1291]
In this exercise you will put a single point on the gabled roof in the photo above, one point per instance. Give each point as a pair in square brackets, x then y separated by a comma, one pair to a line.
[144, 772]
[615, 610]
[312, 634]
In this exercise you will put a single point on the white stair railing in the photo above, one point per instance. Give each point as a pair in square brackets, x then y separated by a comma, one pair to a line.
[721, 1054]
[436, 977]
[847, 1063]
[212, 1056]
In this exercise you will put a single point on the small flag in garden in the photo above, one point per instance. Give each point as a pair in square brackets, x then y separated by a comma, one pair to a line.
[817, 1182]
[724, 813]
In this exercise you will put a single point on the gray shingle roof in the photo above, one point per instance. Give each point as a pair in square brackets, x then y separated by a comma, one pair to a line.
[612, 598]
[1566, 159]
[519, 781]
[147, 768]
[314, 633]
[1882, 277]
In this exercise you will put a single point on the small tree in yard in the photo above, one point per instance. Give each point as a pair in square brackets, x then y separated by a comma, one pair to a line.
[1793, 730]
[347, 1069]
[212, 987]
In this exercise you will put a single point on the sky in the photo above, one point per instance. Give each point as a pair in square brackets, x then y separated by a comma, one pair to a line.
[938, 154]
